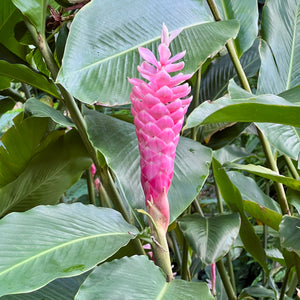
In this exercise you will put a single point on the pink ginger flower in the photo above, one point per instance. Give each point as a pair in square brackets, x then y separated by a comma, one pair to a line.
[158, 107]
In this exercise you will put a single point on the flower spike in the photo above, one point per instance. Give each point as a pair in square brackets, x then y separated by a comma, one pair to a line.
[158, 107]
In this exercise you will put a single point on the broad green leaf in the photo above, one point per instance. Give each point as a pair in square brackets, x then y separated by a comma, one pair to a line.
[48, 175]
[293, 197]
[4, 83]
[264, 108]
[292, 95]
[27, 75]
[233, 199]
[19, 144]
[101, 74]
[246, 12]
[266, 173]
[40, 109]
[6, 103]
[231, 153]
[280, 47]
[50, 242]
[255, 202]
[61, 288]
[282, 137]
[259, 292]
[289, 230]
[137, 277]
[35, 11]
[9, 17]
[276, 255]
[211, 238]
[117, 141]
[215, 79]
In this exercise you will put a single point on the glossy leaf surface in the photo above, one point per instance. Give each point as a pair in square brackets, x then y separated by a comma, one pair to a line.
[101, 73]
[35, 11]
[233, 199]
[25, 74]
[211, 238]
[137, 277]
[265, 108]
[48, 242]
[280, 47]
[48, 175]
[290, 233]
[117, 140]
[40, 109]
[266, 173]
[246, 12]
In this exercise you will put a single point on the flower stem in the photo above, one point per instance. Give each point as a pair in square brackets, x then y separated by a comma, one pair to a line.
[291, 167]
[161, 250]
[225, 279]
[196, 99]
[90, 186]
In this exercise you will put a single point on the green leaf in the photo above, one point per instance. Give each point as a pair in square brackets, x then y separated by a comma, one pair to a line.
[27, 75]
[116, 139]
[284, 138]
[266, 173]
[264, 108]
[246, 12]
[101, 74]
[137, 277]
[255, 202]
[231, 153]
[6, 103]
[289, 231]
[48, 175]
[35, 11]
[57, 241]
[215, 79]
[20, 138]
[9, 18]
[280, 47]
[61, 288]
[40, 109]
[211, 238]
[233, 199]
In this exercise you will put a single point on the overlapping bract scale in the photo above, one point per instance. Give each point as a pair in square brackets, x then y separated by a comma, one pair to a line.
[158, 107]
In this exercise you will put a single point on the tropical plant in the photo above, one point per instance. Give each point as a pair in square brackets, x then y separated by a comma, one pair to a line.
[94, 202]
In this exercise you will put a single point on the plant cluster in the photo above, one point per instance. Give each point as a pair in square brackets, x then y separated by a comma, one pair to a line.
[149, 149]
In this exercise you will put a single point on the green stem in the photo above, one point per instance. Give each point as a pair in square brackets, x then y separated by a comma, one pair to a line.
[245, 84]
[230, 270]
[196, 100]
[185, 255]
[198, 208]
[90, 186]
[113, 194]
[225, 279]
[293, 285]
[272, 164]
[25, 90]
[284, 283]
[176, 248]
[160, 248]
[291, 167]
[42, 44]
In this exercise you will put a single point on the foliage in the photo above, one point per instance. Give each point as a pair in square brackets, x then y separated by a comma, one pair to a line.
[70, 232]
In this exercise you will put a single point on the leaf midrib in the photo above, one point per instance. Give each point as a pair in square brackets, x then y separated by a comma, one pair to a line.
[28, 260]
[125, 51]
[293, 50]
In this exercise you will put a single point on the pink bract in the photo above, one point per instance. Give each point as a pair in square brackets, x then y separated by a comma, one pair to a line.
[158, 106]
